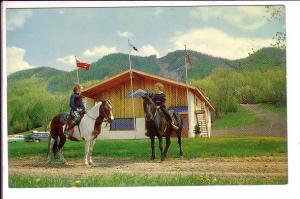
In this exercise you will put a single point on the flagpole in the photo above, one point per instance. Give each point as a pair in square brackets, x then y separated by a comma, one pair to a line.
[77, 70]
[186, 76]
[185, 63]
[186, 82]
[131, 85]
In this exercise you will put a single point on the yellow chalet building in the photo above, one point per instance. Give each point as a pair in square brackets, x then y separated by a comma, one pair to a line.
[187, 100]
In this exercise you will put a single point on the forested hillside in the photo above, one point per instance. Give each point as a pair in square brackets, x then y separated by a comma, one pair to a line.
[107, 66]
[40, 72]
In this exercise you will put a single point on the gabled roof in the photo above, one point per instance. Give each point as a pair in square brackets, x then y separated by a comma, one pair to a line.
[108, 83]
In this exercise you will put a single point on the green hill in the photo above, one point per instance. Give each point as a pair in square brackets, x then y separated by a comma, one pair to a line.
[105, 67]
[202, 64]
[170, 66]
[262, 59]
[40, 72]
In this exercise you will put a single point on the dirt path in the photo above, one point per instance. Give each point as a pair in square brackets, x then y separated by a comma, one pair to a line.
[275, 166]
[277, 124]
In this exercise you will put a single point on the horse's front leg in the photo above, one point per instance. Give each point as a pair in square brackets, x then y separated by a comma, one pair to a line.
[162, 157]
[92, 144]
[87, 150]
[50, 156]
[152, 147]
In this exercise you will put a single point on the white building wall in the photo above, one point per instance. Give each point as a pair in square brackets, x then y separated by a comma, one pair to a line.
[208, 120]
[191, 114]
[138, 133]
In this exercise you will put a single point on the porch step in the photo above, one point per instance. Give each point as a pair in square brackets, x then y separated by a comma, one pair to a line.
[203, 124]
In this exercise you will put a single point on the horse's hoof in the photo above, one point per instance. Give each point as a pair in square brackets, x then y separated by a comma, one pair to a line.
[91, 164]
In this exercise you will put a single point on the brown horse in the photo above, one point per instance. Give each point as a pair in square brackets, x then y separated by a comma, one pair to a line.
[157, 125]
[88, 129]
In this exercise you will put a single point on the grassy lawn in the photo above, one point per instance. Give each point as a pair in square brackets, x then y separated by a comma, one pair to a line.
[240, 118]
[122, 180]
[282, 110]
[140, 149]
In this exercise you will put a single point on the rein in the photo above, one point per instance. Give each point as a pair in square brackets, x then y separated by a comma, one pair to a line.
[105, 115]
[97, 119]
[156, 110]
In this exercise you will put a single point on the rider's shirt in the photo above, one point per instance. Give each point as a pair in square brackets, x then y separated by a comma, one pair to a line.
[76, 102]
[159, 99]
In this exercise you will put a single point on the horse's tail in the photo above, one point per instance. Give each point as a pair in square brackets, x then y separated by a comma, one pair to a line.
[55, 121]
[180, 126]
[55, 147]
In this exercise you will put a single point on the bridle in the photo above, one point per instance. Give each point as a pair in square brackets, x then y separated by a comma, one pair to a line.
[106, 118]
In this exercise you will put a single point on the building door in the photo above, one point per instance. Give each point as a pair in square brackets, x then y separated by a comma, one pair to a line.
[185, 130]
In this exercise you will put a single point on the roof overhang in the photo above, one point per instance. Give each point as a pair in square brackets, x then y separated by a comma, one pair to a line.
[108, 83]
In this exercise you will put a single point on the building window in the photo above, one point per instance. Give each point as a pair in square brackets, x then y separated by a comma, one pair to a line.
[122, 124]
[179, 109]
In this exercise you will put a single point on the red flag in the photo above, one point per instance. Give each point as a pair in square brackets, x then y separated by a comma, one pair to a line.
[81, 64]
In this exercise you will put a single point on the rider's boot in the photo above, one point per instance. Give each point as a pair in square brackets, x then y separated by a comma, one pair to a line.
[147, 133]
[174, 126]
[69, 129]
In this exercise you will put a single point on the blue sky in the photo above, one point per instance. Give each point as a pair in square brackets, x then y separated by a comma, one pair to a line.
[51, 37]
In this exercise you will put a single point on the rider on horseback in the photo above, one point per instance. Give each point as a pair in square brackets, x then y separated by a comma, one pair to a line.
[77, 108]
[159, 99]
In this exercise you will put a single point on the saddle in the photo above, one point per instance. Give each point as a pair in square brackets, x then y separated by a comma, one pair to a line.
[67, 119]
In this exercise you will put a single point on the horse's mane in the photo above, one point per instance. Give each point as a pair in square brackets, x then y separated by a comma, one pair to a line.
[95, 108]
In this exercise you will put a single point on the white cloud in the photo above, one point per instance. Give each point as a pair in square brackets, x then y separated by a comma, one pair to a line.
[16, 19]
[15, 60]
[125, 34]
[148, 50]
[217, 43]
[68, 60]
[244, 17]
[99, 51]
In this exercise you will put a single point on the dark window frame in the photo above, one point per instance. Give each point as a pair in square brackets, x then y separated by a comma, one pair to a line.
[120, 129]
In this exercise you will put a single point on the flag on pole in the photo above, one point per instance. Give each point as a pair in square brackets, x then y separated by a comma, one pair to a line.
[188, 58]
[132, 46]
[82, 64]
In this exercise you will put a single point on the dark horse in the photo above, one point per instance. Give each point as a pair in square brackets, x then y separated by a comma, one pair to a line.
[157, 125]
[88, 129]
